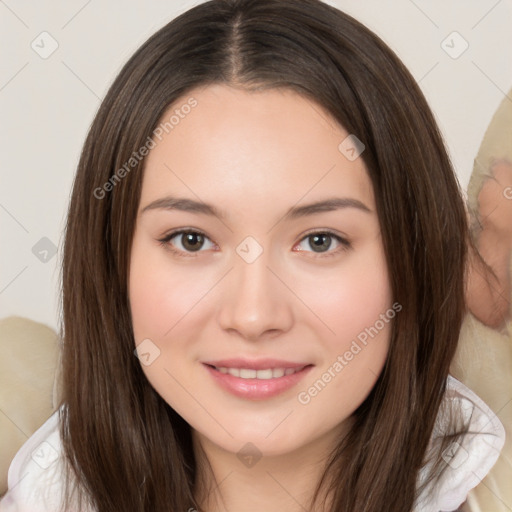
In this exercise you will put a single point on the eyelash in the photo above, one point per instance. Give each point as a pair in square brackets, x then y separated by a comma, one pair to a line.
[164, 242]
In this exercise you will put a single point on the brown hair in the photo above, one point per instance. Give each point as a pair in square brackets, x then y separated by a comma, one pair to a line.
[127, 449]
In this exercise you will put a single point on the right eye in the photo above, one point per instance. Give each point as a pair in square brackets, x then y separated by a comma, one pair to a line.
[187, 242]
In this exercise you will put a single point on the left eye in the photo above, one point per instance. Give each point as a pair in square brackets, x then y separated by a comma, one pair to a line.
[322, 241]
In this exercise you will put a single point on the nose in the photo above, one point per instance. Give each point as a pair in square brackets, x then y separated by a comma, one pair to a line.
[255, 303]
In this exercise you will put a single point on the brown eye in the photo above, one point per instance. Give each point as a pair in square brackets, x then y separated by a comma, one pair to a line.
[192, 241]
[321, 242]
[186, 241]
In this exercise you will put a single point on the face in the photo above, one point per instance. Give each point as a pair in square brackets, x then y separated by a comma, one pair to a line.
[250, 273]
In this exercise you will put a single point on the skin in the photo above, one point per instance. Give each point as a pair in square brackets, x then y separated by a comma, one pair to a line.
[254, 156]
[489, 296]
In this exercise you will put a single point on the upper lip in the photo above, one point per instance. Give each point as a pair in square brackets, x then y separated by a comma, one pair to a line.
[259, 364]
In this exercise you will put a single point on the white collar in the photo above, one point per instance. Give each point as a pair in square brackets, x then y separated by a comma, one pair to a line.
[470, 459]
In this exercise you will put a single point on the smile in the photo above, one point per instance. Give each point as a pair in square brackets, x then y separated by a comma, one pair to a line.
[257, 384]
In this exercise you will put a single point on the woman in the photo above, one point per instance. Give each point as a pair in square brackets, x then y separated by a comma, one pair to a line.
[239, 144]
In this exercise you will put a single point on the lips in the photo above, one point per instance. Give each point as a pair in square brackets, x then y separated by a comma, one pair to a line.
[237, 375]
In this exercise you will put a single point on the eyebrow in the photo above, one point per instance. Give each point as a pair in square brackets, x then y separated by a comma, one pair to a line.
[192, 206]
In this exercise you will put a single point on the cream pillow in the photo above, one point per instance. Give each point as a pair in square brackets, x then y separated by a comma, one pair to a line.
[483, 361]
[28, 391]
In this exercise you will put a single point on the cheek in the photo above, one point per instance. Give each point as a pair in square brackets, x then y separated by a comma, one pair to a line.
[150, 312]
[353, 297]
[160, 299]
[160, 294]
[355, 303]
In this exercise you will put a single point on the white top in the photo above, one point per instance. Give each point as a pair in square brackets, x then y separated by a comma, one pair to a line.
[35, 475]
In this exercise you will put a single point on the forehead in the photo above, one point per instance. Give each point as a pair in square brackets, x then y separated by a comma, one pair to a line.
[239, 144]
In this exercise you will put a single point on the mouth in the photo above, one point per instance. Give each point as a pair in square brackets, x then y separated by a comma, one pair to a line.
[257, 384]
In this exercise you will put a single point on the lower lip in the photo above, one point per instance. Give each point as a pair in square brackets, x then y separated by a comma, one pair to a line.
[257, 389]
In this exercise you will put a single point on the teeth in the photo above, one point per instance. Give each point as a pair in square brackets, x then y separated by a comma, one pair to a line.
[270, 373]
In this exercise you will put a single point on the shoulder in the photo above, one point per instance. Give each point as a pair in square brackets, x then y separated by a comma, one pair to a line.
[468, 460]
[35, 478]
